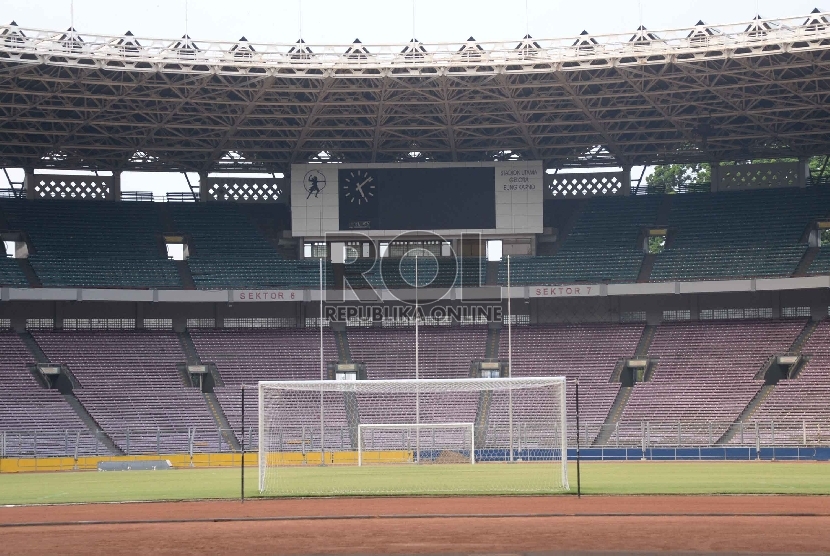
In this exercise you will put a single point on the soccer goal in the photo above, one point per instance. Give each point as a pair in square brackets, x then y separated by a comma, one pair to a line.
[432, 436]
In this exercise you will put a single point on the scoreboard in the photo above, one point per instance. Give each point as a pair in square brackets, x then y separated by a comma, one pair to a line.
[386, 199]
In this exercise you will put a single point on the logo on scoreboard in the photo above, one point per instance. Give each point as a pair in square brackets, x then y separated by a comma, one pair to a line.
[360, 224]
[314, 182]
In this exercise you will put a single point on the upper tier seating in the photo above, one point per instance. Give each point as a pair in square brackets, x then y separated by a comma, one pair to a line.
[227, 251]
[601, 247]
[94, 243]
[706, 374]
[131, 387]
[821, 264]
[712, 236]
[10, 273]
[588, 352]
[740, 234]
[36, 421]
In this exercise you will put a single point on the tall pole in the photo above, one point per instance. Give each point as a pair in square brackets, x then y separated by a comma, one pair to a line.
[578, 483]
[242, 464]
[322, 371]
[417, 374]
[300, 17]
[509, 361]
[413, 20]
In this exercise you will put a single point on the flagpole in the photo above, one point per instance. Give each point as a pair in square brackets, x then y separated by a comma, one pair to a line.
[322, 371]
[509, 359]
[417, 374]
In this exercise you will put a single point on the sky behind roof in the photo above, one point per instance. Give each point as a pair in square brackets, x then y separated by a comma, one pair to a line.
[376, 21]
[384, 21]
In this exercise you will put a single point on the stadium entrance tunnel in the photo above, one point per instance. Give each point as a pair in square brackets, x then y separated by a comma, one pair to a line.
[54, 377]
[205, 376]
[14, 245]
[629, 372]
[782, 367]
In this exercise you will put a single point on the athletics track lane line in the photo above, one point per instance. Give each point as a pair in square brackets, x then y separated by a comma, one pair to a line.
[392, 516]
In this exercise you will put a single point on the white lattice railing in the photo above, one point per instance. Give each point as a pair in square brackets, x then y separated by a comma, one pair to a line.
[581, 186]
[759, 176]
[56, 186]
[245, 189]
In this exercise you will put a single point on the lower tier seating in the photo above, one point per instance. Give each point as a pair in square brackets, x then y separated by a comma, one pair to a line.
[705, 376]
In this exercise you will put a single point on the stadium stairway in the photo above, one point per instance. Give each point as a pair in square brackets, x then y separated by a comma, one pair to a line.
[660, 221]
[29, 273]
[169, 227]
[192, 357]
[493, 339]
[568, 212]
[23, 264]
[72, 400]
[485, 398]
[803, 268]
[624, 393]
[185, 275]
[492, 273]
[767, 389]
[344, 356]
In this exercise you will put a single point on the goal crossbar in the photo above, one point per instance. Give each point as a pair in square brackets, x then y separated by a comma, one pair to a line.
[418, 427]
[424, 385]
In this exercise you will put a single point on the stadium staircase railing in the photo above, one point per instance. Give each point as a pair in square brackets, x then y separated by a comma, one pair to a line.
[767, 389]
[69, 396]
[212, 402]
[615, 412]
[344, 356]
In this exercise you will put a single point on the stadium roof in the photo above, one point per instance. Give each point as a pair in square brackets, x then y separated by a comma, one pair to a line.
[707, 93]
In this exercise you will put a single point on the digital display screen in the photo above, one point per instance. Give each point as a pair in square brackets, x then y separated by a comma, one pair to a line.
[417, 198]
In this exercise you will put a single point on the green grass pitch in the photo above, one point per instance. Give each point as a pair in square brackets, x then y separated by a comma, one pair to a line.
[597, 478]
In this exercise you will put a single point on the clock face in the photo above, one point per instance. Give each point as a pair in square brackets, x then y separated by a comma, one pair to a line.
[359, 186]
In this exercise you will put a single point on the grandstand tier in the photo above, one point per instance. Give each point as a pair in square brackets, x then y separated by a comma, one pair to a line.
[711, 236]
[706, 375]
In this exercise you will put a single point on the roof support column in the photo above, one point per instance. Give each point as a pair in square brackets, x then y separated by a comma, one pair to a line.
[803, 171]
[115, 186]
[204, 188]
[626, 180]
[715, 173]
[29, 183]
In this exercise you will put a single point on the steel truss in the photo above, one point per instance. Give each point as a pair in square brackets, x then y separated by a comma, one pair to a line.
[750, 90]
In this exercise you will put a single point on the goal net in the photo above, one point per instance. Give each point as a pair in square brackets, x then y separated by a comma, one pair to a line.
[432, 436]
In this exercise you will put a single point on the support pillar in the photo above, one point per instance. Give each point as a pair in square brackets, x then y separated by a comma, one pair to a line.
[716, 177]
[29, 183]
[626, 180]
[776, 305]
[694, 307]
[115, 186]
[204, 187]
[803, 172]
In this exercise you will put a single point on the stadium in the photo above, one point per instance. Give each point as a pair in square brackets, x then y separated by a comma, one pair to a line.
[454, 310]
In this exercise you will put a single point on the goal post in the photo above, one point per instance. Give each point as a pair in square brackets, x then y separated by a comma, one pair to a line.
[467, 441]
[326, 437]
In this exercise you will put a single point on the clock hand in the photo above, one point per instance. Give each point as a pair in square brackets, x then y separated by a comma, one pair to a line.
[360, 186]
